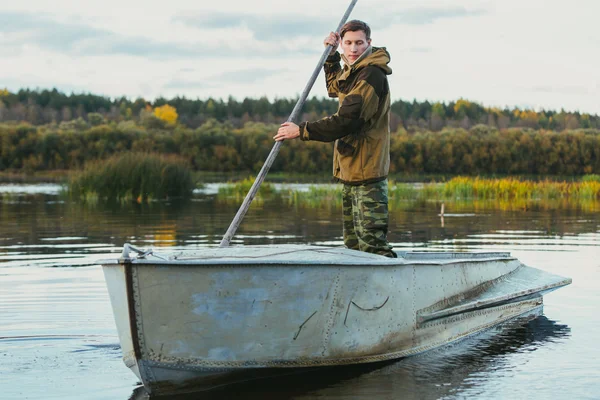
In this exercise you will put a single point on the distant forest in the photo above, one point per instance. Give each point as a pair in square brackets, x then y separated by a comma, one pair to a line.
[42, 107]
[220, 147]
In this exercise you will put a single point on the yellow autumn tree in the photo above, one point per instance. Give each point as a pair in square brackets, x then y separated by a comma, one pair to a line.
[461, 107]
[516, 113]
[4, 92]
[529, 116]
[166, 113]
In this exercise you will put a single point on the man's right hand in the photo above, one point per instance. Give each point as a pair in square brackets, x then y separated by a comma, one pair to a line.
[334, 40]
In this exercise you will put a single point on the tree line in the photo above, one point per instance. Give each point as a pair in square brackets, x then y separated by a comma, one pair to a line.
[39, 107]
[222, 147]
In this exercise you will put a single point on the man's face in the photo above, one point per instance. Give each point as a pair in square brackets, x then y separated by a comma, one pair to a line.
[354, 44]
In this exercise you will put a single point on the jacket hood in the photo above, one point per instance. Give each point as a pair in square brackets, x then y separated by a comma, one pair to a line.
[377, 56]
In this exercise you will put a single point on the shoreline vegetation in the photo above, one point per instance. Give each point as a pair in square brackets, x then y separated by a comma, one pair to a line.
[201, 177]
[504, 193]
[136, 150]
[148, 178]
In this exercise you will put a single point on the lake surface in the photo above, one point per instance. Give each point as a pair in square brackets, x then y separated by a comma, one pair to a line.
[58, 339]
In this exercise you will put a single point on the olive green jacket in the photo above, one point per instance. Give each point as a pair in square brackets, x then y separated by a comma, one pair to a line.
[361, 126]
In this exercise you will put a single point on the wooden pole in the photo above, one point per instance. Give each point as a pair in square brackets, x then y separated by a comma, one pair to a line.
[237, 220]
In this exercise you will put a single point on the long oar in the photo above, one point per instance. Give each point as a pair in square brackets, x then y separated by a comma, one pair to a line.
[237, 220]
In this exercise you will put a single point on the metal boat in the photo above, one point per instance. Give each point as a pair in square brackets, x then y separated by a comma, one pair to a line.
[204, 318]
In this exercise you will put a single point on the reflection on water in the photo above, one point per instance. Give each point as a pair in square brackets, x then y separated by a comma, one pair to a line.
[37, 228]
[57, 334]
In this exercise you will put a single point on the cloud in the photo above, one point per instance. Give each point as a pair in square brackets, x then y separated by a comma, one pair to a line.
[141, 47]
[283, 27]
[242, 76]
[274, 31]
[426, 16]
[82, 40]
[421, 16]
[45, 32]
[264, 28]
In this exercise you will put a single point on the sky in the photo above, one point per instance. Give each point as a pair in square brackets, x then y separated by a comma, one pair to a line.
[525, 53]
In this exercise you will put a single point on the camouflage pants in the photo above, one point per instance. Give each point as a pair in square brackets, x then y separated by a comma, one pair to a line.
[365, 210]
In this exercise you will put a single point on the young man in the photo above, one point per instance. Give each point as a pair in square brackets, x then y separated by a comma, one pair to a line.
[361, 130]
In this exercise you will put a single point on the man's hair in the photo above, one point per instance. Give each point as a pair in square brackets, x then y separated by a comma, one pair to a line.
[354, 26]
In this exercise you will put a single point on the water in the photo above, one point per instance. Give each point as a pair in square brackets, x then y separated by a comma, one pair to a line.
[58, 340]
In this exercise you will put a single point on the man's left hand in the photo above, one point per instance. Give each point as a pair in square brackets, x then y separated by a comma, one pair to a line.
[288, 130]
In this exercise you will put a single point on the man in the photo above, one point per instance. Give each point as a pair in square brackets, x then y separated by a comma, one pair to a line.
[361, 130]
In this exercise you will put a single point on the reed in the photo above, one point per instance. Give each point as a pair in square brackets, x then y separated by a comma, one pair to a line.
[403, 191]
[239, 189]
[139, 177]
[315, 197]
[506, 193]
[513, 188]
[235, 192]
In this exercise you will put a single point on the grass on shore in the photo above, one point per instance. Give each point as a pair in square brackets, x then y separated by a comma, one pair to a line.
[510, 188]
[505, 190]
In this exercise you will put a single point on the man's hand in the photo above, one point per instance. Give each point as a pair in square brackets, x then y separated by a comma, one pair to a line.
[334, 40]
[288, 130]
